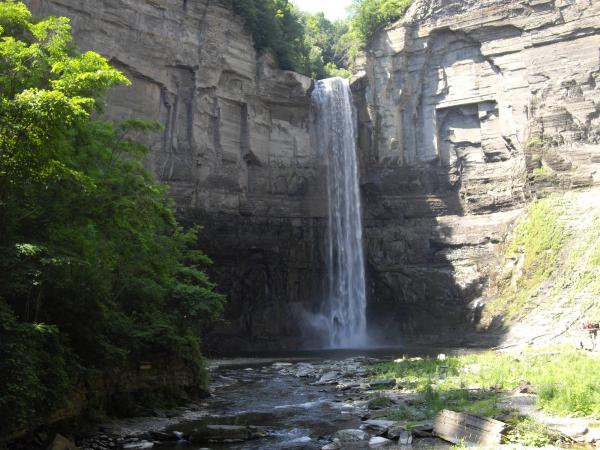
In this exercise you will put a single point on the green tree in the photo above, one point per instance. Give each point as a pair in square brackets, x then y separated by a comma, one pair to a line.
[94, 269]
[367, 17]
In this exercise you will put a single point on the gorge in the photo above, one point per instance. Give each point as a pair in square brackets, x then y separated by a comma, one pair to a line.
[449, 102]
[396, 208]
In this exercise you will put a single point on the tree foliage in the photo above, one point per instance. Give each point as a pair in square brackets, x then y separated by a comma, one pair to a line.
[95, 272]
[300, 41]
[310, 43]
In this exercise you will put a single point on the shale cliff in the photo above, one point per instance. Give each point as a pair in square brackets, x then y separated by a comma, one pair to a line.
[467, 110]
[235, 150]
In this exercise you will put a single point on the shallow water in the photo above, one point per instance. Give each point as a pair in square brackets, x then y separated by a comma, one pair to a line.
[291, 410]
[296, 414]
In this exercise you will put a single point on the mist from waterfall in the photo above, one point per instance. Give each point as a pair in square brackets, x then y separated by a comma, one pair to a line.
[334, 122]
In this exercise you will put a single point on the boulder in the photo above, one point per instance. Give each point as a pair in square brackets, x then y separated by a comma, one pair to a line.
[380, 442]
[351, 436]
[335, 445]
[225, 433]
[62, 443]
[387, 383]
[401, 434]
[329, 378]
[378, 426]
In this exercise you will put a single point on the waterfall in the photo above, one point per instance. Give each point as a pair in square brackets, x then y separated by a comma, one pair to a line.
[334, 134]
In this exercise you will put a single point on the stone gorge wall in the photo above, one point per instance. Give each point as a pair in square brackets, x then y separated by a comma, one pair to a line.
[454, 103]
[235, 150]
[468, 108]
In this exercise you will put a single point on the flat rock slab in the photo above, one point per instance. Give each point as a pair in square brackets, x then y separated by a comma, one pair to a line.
[378, 425]
[469, 429]
[351, 436]
[380, 442]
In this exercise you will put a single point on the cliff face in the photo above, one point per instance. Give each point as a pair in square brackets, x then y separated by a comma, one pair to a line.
[235, 149]
[467, 108]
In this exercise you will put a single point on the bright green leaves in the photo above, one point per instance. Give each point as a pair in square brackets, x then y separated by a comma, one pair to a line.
[370, 16]
[89, 75]
[15, 18]
[310, 43]
[94, 269]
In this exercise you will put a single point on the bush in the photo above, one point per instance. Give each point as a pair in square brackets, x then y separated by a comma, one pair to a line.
[95, 272]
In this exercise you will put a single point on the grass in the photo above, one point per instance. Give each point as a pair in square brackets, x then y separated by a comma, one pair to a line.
[567, 382]
[538, 241]
[543, 173]
[556, 254]
[528, 432]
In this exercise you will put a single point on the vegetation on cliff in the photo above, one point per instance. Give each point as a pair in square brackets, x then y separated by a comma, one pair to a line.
[310, 43]
[95, 273]
[553, 265]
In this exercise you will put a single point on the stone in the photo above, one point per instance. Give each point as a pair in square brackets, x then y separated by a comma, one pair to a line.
[225, 433]
[423, 431]
[163, 436]
[329, 378]
[458, 427]
[139, 445]
[401, 434]
[387, 383]
[60, 442]
[335, 445]
[350, 435]
[377, 426]
[574, 431]
[524, 387]
[380, 442]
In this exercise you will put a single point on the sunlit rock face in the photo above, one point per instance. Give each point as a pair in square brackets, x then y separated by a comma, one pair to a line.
[453, 102]
[447, 103]
[235, 151]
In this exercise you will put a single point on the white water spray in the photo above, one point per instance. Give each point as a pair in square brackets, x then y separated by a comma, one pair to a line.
[335, 135]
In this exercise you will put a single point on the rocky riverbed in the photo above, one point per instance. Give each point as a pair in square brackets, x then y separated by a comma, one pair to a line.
[302, 403]
[276, 404]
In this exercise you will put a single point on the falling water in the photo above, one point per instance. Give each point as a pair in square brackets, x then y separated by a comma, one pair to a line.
[335, 135]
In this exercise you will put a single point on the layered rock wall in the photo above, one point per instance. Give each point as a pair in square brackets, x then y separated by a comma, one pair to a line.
[467, 109]
[235, 150]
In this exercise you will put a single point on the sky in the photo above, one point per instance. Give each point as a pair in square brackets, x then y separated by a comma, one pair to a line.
[333, 9]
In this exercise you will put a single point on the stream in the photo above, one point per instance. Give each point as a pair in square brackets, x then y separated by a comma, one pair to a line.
[292, 403]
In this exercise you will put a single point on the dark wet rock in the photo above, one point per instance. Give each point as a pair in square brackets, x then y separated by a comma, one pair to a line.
[401, 434]
[62, 443]
[423, 431]
[387, 383]
[139, 445]
[378, 426]
[163, 436]
[380, 403]
[226, 433]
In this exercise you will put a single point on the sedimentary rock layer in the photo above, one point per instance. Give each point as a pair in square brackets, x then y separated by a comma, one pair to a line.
[235, 149]
[468, 109]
